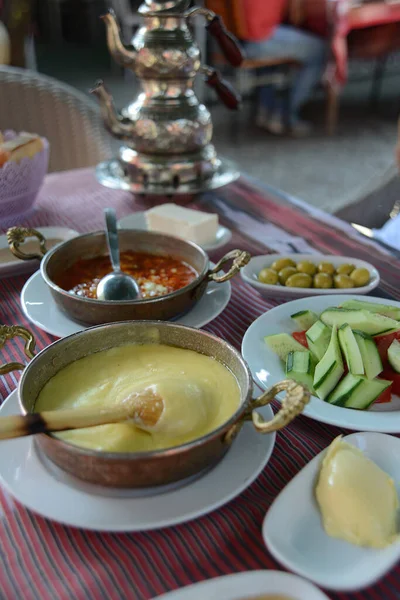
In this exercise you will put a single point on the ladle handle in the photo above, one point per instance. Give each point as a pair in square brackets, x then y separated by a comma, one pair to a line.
[143, 408]
[60, 420]
[112, 237]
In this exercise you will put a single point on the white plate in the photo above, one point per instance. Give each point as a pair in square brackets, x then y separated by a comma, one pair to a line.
[18, 267]
[250, 275]
[62, 498]
[294, 534]
[247, 585]
[267, 368]
[41, 309]
[138, 221]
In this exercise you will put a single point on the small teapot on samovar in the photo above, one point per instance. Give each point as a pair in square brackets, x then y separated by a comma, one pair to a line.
[166, 131]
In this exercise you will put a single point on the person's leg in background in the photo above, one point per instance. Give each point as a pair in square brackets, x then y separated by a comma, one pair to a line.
[311, 52]
[269, 106]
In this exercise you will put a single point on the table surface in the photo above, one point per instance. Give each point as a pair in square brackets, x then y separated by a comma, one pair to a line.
[42, 559]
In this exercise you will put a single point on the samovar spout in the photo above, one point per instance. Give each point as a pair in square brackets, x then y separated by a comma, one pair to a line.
[117, 125]
[121, 55]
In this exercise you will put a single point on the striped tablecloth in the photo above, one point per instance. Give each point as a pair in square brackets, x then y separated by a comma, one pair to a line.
[45, 560]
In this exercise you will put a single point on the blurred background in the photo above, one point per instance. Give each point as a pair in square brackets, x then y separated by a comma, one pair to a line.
[347, 157]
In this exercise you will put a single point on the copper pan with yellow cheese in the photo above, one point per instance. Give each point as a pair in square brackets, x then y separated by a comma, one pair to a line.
[205, 384]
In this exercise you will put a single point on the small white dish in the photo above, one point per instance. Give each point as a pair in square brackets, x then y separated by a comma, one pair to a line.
[267, 369]
[250, 275]
[40, 308]
[138, 221]
[48, 491]
[294, 534]
[248, 585]
[14, 266]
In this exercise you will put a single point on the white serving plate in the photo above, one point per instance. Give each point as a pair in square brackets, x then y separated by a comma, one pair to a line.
[250, 275]
[294, 534]
[18, 267]
[42, 310]
[247, 585]
[48, 491]
[138, 221]
[267, 369]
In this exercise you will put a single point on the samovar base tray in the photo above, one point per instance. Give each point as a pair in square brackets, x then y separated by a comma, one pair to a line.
[112, 174]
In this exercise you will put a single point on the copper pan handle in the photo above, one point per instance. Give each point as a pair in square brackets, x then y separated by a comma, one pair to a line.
[17, 236]
[8, 332]
[240, 258]
[296, 397]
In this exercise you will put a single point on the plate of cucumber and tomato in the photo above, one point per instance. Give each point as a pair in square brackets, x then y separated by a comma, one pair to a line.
[344, 349]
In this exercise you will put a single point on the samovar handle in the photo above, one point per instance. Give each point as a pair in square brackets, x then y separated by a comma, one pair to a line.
[226, 93]
[229, 45]
[227, 42]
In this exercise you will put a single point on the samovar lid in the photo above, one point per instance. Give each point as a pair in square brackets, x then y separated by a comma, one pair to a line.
[164, 6]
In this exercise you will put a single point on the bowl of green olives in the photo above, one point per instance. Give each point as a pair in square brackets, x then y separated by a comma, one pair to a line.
[301, 275]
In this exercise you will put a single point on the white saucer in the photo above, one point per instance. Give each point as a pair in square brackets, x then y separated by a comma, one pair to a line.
[71, 502]
[17, 267]
[294, 535]
[41, 310]
[138, 221]
[247, 585]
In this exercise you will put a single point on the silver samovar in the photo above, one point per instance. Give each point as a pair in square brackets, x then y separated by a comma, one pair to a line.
[166, 131]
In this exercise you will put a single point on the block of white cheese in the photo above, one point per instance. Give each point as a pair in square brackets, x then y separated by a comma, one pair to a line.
[191, 225]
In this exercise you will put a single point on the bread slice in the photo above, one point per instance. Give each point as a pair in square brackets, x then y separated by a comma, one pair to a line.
[23, 145]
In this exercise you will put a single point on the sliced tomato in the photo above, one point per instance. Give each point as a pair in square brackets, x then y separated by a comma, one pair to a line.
[386, 396]
[391, 375]
[384, 341]
[300, 336]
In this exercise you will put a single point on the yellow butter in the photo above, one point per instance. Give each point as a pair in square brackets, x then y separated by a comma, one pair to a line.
[206, 397]
[357, 499]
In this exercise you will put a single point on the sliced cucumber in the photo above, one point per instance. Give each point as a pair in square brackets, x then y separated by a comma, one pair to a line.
[318, 338]
[329, 369]
[394, 355]
[300, 367]
[369, 353]
[363, 320]
[344, 389]
[356, 391]
[383, 309]
[305, 319]
[351, 350]
[282, 344]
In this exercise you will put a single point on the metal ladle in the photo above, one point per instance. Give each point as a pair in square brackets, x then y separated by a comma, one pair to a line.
[116, 285]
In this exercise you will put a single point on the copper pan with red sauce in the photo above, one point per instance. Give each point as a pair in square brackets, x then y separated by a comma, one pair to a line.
[58, 264]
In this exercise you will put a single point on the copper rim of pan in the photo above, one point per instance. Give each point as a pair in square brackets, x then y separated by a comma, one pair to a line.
[161, 452]
[157, 299]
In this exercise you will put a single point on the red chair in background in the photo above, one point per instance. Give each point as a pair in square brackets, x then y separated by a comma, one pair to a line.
[359, 30]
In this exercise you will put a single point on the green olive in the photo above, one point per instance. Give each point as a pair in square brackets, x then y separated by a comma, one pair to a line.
[343, 281]
[360, 277]
[344, 269]
[303, 280]
[306, 266]
[326, 267]
[285, 273]
[268, 276]
[281, 263]
[323, 281]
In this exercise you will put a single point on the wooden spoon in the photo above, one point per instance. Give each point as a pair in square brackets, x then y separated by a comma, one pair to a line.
[144, 409]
